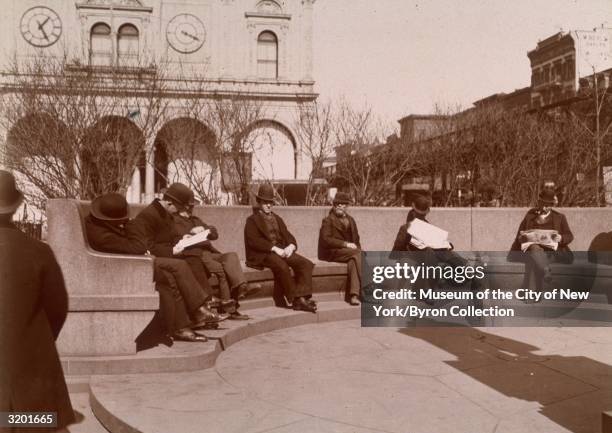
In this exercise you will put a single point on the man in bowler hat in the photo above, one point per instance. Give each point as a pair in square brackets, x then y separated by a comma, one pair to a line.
[106, 231]
[339, 242]
[33, 308]
[539, 257]
[268, 243]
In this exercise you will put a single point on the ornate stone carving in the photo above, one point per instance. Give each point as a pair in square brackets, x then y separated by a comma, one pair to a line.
[269, 6]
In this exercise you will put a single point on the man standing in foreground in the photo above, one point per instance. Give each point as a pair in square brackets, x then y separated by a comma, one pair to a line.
[33, 308]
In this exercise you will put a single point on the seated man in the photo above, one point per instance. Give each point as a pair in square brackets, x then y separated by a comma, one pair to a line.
[154, 227]
[431, 256]
[268, 243]
[339, 242]
[225, 266]
[105, 227]
[542, 217]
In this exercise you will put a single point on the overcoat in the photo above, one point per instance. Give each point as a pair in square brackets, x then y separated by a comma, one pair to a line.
[155, 227]
[33, 308]
[257, 242]
[559, 223]
[333, 236]
[402, 240]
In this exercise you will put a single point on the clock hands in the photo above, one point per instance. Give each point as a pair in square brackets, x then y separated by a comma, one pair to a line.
[42, 29]
[195, 38]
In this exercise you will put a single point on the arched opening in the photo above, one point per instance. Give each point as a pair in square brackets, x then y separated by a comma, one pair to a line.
[267, 55]
[273, 150]
[112, 157]
[185, 151]
[41, 149]
[127, 45]
[100, 45]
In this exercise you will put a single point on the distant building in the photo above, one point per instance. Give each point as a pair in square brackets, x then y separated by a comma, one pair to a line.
[559, 62]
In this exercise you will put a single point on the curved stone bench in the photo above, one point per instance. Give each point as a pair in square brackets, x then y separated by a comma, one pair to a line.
[112, 296]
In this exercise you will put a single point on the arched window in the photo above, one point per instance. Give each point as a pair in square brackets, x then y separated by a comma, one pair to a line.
[101, 46]
[267, 55]
[127, 45]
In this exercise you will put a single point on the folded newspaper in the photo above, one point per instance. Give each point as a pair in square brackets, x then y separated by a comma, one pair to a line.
[193, 240]
[539, 237]
[427, 235]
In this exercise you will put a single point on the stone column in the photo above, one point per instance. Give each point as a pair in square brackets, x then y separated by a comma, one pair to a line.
[307, 26]
[150, 171]
[133, 192]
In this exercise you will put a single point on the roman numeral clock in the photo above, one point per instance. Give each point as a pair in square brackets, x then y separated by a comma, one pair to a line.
[41, 26]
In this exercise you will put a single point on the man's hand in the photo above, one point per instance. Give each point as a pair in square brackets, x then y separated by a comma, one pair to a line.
[351, 245]
[278, 251]
[196, 230]
[177, 249]
[556, 237]
[289, 250]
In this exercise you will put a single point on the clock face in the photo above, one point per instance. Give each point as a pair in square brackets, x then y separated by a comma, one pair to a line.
[41, 26]
[186, 33]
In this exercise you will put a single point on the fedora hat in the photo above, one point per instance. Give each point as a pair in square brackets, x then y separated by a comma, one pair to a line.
[265, 193]
[547, 197]
[110, 207]
[341, 198]
[10, 196]
[180, 194]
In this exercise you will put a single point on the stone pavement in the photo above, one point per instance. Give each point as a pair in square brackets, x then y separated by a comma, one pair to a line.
[339, 377]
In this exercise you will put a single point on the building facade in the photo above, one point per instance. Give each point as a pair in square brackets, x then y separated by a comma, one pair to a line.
[254, 53]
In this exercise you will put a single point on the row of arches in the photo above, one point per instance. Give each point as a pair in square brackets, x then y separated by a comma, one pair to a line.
[111, 153]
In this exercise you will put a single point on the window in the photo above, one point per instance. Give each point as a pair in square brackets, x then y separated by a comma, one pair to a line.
[101, 48]
[127, 45]
[267, 55]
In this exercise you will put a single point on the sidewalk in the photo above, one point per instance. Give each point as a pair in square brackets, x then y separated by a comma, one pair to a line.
[339, 377]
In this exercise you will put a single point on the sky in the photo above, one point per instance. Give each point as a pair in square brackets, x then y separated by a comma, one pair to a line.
[404, 56]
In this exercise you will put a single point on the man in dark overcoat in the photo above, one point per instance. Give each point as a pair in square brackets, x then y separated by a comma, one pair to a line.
[225, 266]
[154, 226]
[106, 231]
[538, 258]
[339, 242]
[268, 243]
[33, 308]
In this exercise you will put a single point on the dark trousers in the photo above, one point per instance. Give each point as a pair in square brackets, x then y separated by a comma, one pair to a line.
[352, 258]
[284, 284]
[192, 292]
[172, 306]
[199, 271]
[537, 263]
[228, 270]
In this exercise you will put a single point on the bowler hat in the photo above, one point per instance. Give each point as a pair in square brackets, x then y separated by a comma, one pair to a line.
[180, 194]
[265, 193]
[547, 197]
[341, 198]
[110, 207]
[10, 196]
[422, 203]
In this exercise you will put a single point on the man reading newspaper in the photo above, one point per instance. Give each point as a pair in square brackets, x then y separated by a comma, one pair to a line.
[432, 242]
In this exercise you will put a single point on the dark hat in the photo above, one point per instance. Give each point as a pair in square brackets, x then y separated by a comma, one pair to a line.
[179, 194]
[265, 193]
[547, 197]
[422, 203]
[10, 196]
[110, 207]
[341, 198]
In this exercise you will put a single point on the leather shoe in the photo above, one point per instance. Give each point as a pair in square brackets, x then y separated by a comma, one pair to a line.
[245, 290]
[187, 334]
[281, 302]
[214, 302]
[354, 300]
[236, 315]
[204, 315]
[301, 304]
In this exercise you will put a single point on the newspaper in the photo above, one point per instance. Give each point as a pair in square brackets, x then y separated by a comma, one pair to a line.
[192, 240]
[427, 235]
[539, 237]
